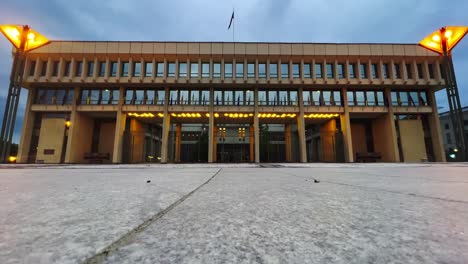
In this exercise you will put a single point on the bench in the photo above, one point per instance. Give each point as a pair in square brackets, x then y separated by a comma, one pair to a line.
[96, 157]
[368, 156]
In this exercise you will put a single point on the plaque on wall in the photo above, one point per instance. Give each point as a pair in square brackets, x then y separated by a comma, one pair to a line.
[49, 151]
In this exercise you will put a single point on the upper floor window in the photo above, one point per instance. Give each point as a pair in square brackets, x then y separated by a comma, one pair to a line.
[171, 67]
[430, 68]
[341, 71]
[330, 71]
[318, 71]
[385, 73]
[102, 68]
[261, 70]
[113, 70]
[32, 68]
[148, 69]
[79, 68]
[307, 71]
[239, 70]
[273, 70]
[124, 70]
[420, 71]
[408, 71]
[194, 70]
[216, 70]
[296, 73]
[66, 71]
[284, 70]
[228, 70]
[55, 68]
[136, 69]
[160, 69]
[205, 70]
[44, 68]
[351, 71]
[54, 96]
[396, 71]
[363, 70]
[251, 70]
[90, 69]
[182, 69]
[374, 71]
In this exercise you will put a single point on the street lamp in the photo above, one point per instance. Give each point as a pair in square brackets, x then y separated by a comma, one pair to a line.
[24, 39]
[443, 41]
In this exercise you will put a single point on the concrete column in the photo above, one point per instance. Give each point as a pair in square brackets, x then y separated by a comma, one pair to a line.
[436, 132]
[287, 141]
[178, 136]
[211, 135]
[120, 124]
[73, 130]
[346, 129]
[165, 129]
[256, 127]
[215, 141]
[27, 131]
[252, 143]
[301, 128]
[393, 134]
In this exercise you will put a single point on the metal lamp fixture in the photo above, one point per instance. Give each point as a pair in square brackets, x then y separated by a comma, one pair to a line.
[443, 41]
[24, 39]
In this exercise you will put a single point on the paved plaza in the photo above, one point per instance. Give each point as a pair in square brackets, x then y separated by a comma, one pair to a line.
[215, 213]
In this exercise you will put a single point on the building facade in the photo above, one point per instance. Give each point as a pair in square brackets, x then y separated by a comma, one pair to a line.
[448, 134]
[133, 102]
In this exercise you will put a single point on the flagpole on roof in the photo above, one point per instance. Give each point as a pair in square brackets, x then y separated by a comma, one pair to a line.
[233, 26]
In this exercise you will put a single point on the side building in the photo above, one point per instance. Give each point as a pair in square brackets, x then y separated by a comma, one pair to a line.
[133, 102]
[448, 133]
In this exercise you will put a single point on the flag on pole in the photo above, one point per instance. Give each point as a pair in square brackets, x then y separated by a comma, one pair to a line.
[232, 18]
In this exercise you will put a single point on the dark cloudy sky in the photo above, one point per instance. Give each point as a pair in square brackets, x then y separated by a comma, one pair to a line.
[374, 21]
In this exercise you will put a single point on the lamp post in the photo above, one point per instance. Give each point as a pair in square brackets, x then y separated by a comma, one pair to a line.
[24, 39]
[443, 41]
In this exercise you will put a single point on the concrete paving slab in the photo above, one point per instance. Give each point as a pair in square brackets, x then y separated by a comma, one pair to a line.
[281, 216]
[54, 215]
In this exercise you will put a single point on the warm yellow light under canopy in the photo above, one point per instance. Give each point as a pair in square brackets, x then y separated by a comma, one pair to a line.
[12, 159]
[453, 35]
[14, 33]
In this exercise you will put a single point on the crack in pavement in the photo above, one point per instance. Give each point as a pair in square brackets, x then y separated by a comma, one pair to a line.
[123, 240]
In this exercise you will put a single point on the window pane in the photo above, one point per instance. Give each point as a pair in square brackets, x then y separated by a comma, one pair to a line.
[284, 70]
[228, 98]
[160, 69]
[159, 97]
[136, 69]
[374, 70]
[124, 69]
[55, 68]
[431, 70]
[216, 70]
[283, 98]
[228, 70]
[171, 67]
[295, 70]
[351, 71]
[239, 97]
[273, 98]
[183, 97]
[148, 69]
[262, 100]
[205, 70]
[194, 70]
[293, 98]
[79, 68]
[318, 70]
[360, 100]
[182, 69]
[102, 68]
[307, 73]
[195, 97]
[218, 98]
[363, 69]
[239, 70]
[330, 71]
[261, 70]
[350, 96]
[249, 100]
[380, 98]
[385, 73]
[370, 98]
[173, 97]
[90, 69]
[44, 68]
[113, 69]
[273, 70]
[408, 71]
[306, 98]
[205, 98]
[420, 71]
[32, 68]
[341, 73]
[251, 70]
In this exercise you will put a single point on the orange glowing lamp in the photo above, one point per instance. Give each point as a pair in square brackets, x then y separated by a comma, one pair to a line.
[16, 34]
[449, 34]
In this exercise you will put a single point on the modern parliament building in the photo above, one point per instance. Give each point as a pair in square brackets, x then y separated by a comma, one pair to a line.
[136, 102]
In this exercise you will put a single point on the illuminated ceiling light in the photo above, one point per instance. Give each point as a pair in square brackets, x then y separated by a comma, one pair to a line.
[226, 114]
[251, 114]
[207, 115]
[216, 115]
